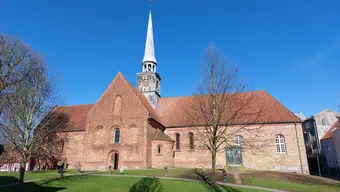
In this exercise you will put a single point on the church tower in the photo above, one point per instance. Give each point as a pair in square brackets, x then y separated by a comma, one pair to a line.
[148, 81]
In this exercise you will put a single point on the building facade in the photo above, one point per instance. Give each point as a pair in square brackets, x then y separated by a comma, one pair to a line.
[314, 129]
[330, 144]
[135, 128]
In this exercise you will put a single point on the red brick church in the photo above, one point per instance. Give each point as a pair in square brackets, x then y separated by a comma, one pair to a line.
[135, 128]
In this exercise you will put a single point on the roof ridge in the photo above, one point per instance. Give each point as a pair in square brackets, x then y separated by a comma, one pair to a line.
[328, 134]
[181, 96]
[77, 105]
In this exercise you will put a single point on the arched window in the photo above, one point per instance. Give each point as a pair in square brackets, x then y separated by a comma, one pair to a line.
[280, 144]
[158, 149]
[116, 135]
[178, 141]
[191, 140]
[149, 67]
[153, 68]
[323, 122]
[238, 140]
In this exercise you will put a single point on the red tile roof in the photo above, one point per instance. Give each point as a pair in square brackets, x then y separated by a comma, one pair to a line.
[161, 136]
[173, 111]
[74, 116]
[328, 134]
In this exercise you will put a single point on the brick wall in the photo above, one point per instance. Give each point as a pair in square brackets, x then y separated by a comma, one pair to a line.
[120, 108]
[165, 157]
[73, 147]
[259, 148]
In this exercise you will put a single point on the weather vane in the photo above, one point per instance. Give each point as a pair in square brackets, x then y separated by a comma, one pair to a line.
[150, 4]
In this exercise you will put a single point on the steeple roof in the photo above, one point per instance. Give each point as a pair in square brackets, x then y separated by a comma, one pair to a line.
[149, 54]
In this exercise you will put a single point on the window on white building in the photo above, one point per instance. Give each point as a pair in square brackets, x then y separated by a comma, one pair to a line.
[280, 144]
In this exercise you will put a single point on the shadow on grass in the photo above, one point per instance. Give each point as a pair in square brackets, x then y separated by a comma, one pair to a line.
[205, 177]
[27, 187]
[64, 180]
[147, 184]
[4, 180]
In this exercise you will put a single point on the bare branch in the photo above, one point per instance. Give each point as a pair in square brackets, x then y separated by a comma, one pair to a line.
[220, 109]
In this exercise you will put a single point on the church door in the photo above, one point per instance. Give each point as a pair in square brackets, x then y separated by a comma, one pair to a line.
[114, 160]
[234, 156]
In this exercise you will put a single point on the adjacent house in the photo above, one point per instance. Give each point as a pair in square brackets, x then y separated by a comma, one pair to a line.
[314, 128]
[330, 143]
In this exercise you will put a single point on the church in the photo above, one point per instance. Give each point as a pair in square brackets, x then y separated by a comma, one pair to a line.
[135, 128]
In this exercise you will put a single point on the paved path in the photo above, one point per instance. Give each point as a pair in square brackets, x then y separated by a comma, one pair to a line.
[171, 178]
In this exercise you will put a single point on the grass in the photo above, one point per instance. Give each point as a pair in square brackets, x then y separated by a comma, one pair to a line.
[6, 178]
[276, 180]
[91, 183]
[177, 173]
[281, 183]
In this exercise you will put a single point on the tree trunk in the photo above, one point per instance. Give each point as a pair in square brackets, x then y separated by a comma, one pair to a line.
[213, 168]
[22, 170]
[9, 168]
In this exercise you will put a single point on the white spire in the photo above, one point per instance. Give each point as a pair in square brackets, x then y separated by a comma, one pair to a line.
[149, 45]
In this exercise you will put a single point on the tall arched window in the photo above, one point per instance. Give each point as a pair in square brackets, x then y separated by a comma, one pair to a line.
[158, 149]
[191, 140]
[116, 135]
[280, 144]
[238, 140]
[178, 141]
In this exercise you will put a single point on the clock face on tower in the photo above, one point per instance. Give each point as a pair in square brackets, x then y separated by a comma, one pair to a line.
[146, 82]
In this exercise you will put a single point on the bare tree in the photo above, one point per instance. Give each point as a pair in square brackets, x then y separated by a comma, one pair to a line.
[14, 55]
[220, 109]
[28, 106]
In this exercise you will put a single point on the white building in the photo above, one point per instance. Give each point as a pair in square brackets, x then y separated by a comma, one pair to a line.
[330, 143]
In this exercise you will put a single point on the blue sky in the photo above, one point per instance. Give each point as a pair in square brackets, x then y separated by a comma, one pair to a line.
[289, 48]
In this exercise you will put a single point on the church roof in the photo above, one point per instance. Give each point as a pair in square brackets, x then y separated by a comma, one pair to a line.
[161, 136]
[328, 134]
[74, 117]
[149, 54]
[173, 110]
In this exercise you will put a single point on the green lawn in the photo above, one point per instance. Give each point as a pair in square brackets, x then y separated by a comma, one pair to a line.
[90, 183]
[178, 173]
[289, 185]
[6, 178]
